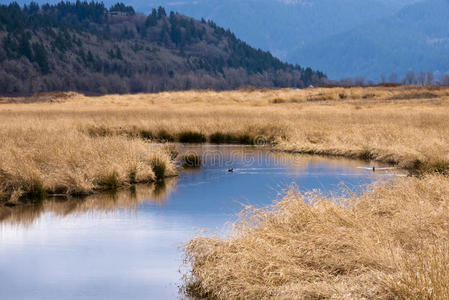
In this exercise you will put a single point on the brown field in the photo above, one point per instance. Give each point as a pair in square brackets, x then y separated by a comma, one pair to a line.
[402, 125]
[389, 243]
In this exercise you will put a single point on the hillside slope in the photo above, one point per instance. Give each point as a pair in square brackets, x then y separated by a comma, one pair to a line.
[345, 38]
[281, 26]
[86, 47]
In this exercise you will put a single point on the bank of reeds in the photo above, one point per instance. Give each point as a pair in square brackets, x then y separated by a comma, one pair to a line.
[38, 160]
[390, 243]
[407, 126]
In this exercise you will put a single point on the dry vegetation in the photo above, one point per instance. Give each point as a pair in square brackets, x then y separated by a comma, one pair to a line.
[408, 126]
[41, 155]
[389, 243]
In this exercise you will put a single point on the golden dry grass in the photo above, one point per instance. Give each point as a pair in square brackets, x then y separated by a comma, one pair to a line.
[390, 243]
[408, 126]
[41, 158]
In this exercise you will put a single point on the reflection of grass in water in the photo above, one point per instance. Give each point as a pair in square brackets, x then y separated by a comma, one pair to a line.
[106, 201]
[191, 161]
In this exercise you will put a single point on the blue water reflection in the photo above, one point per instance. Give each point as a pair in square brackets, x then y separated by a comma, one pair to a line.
[126, 246]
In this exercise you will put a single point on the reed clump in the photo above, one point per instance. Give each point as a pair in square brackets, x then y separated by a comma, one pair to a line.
[236, 138]
[389, 243]
[159, 167]
[41, 159]
[191, 137]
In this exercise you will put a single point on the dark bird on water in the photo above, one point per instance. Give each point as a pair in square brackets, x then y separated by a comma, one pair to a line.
[231, 170]
[374, 169]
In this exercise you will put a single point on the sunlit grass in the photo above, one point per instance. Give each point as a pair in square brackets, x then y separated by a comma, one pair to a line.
[389, 243]
[40, 160]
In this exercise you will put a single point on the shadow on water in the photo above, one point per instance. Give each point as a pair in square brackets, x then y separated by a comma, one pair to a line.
[125, 244]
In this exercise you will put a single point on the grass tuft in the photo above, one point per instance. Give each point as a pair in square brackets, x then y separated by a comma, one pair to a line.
[111, 181]
[221, 138]
[133, 176]
[146, 135]
[164, 136]
[246, 139]
[366, 154]
[191, 137]
[35, 190]
[159, 168]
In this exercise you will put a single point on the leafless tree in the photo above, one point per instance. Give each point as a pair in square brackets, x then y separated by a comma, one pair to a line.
[393, 77]
[359, 81]
[430, 78]
[422, 78]
[409, 78]
[445, 80]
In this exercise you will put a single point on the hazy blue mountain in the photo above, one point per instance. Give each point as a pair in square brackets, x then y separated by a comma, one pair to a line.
[282, 26]
[415, 38]
[343, 38]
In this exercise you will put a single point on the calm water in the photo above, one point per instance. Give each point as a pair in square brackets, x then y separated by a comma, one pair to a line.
[127, 245]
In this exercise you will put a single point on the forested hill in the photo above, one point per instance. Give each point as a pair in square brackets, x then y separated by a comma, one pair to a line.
[88, 48]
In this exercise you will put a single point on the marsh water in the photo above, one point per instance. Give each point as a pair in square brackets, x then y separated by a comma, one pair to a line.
[127, 245]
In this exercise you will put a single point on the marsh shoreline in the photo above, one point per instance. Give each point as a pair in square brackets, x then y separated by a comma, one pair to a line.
[75, 144]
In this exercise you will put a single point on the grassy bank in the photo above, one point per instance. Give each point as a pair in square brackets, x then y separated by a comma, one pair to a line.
[390, 243]
[40, 159]
[407, 126]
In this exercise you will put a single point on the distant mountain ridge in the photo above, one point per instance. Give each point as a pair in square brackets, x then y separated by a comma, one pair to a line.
[86, 47]
[344, 38]
[415, 38]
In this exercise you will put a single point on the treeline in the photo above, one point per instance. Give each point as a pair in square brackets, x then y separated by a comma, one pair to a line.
[410, 78]
[84, 46]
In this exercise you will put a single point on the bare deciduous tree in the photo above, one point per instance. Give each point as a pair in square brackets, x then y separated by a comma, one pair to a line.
[393, 77]
[430, 78]
[409, 78]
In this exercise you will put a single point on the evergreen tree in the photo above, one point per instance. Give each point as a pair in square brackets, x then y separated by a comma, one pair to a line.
[151, 19]
[161, 12]
[40, 57]
[24, 48]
